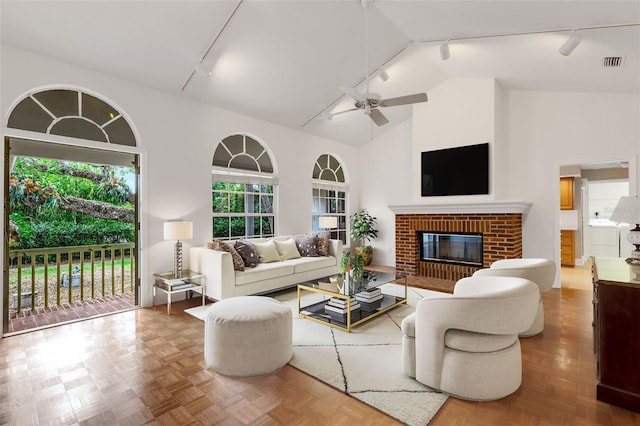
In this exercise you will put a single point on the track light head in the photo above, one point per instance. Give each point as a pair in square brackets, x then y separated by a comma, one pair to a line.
[382, 74]
[570, 44]
[444, 51]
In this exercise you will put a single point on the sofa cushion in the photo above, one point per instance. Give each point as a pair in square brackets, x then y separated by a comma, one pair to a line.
[247, 252]
[264, 271]
[468, 341]
[287, 249]
[307, 245]
[267, 251]
[305, 264]
[238, 263]
[323, 244]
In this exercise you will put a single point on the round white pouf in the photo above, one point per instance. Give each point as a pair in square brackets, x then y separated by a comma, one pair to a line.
[247, 336]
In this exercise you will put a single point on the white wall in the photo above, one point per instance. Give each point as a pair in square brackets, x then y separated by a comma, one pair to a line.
[177, 140]
[387, 180]
[459, 112]
[534, 133]
[548, 129]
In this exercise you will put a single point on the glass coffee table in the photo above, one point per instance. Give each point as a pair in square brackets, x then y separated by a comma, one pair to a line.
[344, 305]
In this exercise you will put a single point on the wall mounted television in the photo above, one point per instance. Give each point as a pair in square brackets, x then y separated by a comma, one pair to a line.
[462, 170]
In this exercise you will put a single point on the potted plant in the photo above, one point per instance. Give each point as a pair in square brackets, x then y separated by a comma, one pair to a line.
[352, 264]
[352, 268]
[363, 228]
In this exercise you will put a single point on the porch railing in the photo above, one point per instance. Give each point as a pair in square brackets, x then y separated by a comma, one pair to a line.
[41, 278]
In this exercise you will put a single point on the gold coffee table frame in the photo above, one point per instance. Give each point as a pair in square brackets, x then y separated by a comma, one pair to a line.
[329, 286]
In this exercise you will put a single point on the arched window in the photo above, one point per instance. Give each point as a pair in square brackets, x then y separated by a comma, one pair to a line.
[243, 189]
[329, 196]
[71, 113]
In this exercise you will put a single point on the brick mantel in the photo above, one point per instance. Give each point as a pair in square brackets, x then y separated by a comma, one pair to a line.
[501, 230]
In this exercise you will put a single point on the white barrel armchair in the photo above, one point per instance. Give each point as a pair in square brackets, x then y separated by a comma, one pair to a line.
[466, 344]
[540, 271]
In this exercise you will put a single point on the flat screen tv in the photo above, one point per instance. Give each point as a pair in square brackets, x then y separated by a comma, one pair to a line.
[462, 170]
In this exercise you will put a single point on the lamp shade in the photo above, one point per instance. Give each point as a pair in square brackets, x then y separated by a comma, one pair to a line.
[177, 230]
[627, 211]
[328, 222]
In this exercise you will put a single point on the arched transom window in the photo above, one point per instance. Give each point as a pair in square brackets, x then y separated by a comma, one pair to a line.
[243, 189]
[329, 196]
[71, 113]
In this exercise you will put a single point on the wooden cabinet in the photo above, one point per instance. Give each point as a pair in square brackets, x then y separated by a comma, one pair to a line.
[567, 248]
[566, 193]
[616, 322]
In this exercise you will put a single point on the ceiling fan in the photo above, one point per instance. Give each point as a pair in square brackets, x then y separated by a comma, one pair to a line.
[370, 102]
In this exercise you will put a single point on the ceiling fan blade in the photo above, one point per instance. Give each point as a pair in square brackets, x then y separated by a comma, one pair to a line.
[378, 117]
[353, 93]
[329, 116]
[404, 100]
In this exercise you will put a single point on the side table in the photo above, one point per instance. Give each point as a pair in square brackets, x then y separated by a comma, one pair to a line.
[167, 283]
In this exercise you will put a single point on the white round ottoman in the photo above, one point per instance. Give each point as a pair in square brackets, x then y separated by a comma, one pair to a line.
[247, 336]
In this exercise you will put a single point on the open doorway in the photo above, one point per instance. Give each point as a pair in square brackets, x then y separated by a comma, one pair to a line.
[72, 215]
[597, 187]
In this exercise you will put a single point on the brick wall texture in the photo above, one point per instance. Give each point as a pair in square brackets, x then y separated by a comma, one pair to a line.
[501, 232]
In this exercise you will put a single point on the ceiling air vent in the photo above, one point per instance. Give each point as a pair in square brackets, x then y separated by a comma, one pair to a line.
[612, 62]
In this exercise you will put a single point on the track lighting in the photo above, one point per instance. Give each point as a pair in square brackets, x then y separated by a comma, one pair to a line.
[382, 74]
[569, 45]
[444, 51]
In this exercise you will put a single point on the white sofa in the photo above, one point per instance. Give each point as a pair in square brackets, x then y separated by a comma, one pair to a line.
[222, 281]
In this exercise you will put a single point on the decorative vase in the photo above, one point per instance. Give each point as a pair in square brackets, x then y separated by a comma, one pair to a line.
[366, 252]
[347, 279]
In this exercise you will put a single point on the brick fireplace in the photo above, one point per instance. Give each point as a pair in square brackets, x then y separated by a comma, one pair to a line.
[499, 223]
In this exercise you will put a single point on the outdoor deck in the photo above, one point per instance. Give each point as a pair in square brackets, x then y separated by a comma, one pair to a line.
[30, 320]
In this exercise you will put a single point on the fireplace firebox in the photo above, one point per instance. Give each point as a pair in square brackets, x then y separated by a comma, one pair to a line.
[455, 248]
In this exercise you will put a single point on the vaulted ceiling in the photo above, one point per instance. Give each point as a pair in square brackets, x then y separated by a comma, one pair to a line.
[283, 61]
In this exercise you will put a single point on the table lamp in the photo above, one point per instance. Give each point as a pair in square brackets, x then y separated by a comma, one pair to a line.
[178, 231]
[328, 222]
[628, 211]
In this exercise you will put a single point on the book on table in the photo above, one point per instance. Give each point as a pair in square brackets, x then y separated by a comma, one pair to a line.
[341, 310]
[369, 293]
[175, 287]
[340, 314]
[369, 299]
[340, 303]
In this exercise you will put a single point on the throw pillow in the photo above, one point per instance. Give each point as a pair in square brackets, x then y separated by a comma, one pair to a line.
[287, 249]
[248, 253]
[267, 251]
[238, 263]
[323, 244]
[307, 245]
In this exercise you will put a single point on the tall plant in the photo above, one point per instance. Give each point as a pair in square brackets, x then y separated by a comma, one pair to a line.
[363, 226]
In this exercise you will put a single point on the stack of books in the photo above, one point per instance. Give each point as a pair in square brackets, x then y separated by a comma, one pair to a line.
[174, 284]
[337, 309]
[370, 299]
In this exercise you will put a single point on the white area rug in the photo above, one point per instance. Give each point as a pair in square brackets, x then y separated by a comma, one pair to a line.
[366, 363]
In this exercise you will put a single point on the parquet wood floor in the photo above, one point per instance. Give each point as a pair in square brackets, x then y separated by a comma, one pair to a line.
[146, 367]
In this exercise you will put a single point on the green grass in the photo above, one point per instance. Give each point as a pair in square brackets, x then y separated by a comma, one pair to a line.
[64, 269]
